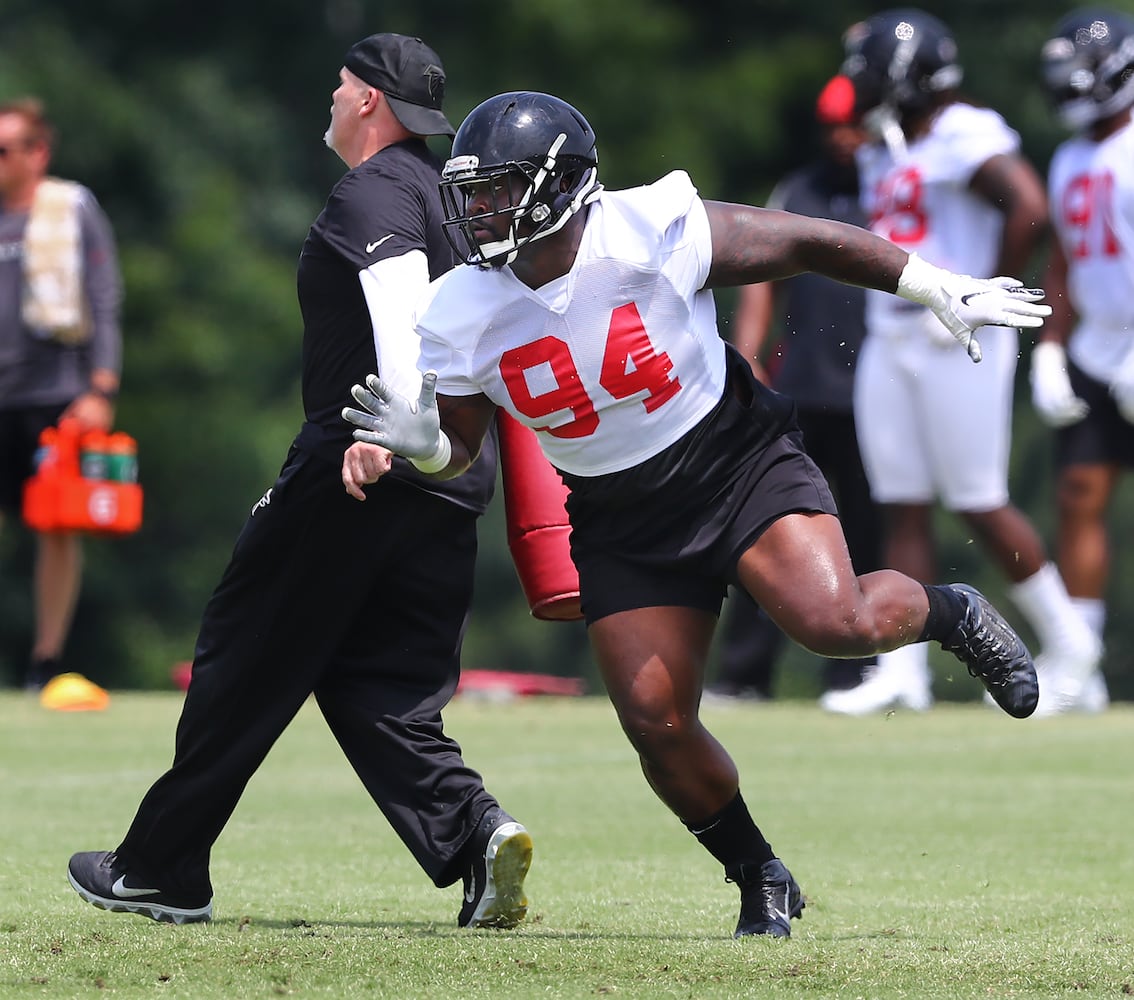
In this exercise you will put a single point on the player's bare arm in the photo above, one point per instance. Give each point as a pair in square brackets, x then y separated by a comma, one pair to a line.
[752, 323]
[759, 244]
[1011, 185]
[1059, 325]
[754, 244]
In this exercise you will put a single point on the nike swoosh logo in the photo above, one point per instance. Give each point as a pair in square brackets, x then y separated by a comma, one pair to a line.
[371, 247]
[470, 893]
[123, 891]
[972, 295]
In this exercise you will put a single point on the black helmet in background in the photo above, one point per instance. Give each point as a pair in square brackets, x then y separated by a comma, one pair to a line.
[903, 58]
[900, 62]
[1088, 66]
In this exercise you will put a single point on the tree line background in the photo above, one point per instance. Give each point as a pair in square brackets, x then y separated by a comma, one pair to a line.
[199, 127]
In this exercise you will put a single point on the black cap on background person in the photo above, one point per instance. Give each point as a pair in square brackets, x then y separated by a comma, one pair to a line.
[411, 76]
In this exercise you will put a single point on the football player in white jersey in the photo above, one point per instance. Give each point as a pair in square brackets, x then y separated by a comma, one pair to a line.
[944, 179]
[588, 315]
[1083, 366]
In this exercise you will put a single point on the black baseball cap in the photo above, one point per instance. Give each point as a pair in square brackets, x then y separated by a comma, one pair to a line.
[411, 76]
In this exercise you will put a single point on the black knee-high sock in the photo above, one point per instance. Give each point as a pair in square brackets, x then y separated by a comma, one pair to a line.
[946, 609]
[734, 839]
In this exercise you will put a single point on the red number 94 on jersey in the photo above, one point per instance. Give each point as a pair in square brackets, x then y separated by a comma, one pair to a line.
[630, 366]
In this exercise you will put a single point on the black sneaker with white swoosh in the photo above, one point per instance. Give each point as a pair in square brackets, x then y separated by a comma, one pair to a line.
[494, 884]
[769, 899]
[101, 879]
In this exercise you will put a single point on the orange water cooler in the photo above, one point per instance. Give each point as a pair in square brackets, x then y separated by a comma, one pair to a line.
[84, 481]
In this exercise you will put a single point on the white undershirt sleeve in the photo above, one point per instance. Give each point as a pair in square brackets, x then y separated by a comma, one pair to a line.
[391, 287]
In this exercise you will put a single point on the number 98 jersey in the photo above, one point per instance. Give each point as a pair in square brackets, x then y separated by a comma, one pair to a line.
[610, 363]
[923, 202]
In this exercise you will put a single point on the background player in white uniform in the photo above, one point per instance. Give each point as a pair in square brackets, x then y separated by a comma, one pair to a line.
[945, 180]
[588, 315]
[1088, 392]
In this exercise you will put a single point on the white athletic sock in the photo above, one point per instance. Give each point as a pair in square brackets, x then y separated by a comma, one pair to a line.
[901, 678]
[1093, 611]
[908, 662]
[1043, 600]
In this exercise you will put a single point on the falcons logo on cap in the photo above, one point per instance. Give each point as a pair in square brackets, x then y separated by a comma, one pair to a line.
[436, 77]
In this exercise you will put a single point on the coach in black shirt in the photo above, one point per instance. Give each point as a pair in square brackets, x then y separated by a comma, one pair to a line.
[361, 604]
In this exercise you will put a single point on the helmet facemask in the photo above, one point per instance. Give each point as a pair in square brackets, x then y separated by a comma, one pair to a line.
[536, 198]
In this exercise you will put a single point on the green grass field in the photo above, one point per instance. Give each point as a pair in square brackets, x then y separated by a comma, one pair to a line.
[956, 854]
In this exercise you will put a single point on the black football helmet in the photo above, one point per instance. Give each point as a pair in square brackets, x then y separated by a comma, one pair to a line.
[537, 156]
[901, 59]
[1088, 66]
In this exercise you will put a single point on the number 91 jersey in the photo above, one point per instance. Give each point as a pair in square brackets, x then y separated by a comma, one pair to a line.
[610, 363]
[1091, 187]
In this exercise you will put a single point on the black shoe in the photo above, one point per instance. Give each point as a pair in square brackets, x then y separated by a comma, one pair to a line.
[100, 878]
[769, 900]
[994, 654]
[494, 885]
[40, 672]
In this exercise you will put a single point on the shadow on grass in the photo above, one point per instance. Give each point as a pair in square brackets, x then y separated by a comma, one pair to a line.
[424, 929]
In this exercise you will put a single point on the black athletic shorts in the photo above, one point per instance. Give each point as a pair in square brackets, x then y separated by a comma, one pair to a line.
[671, 530]
[19, 438]
[1103, 436]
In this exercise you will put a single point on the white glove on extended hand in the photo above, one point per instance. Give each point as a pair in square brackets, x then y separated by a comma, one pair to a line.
[963, 303]
[1052, 396]
[412, 430]
[1122, 388]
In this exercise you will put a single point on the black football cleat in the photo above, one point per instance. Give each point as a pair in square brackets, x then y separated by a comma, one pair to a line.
[494, 884]
[101, 878]
[769, 899]
[994, 654]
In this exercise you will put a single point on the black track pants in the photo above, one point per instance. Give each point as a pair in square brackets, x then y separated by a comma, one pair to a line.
[364, 605]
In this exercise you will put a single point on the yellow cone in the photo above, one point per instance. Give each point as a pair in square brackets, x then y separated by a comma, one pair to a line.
[73, 693]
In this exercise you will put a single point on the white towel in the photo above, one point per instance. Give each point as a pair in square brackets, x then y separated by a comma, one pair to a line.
[54, 303]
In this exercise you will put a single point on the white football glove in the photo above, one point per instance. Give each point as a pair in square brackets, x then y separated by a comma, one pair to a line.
[1122, 387]
[964, 303]
[412, 430]
[1052, 396]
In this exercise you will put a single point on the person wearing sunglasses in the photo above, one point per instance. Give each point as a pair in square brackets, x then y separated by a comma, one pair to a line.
[60, 345]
